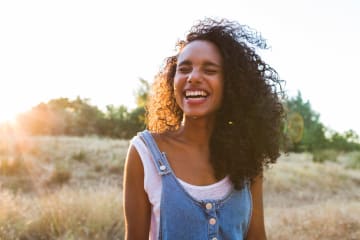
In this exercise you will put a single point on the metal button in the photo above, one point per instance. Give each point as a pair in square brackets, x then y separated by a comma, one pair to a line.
[162, 167]
[208, 206]
[212, 221]
[214, 238]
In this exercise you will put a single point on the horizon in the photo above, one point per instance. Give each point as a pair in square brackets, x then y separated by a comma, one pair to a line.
[13, 122]
[99, 50]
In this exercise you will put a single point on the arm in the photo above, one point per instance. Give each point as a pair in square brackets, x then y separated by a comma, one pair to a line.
[257, 227]
[137, 208]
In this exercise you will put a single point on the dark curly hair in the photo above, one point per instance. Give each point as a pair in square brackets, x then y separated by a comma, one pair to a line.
[247, 131]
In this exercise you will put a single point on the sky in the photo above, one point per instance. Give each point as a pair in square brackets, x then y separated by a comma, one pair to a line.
[100, 49]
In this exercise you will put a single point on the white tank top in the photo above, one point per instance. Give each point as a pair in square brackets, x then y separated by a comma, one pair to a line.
[153, 186]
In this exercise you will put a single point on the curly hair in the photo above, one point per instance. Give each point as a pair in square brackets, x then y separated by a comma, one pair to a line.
[247, 131]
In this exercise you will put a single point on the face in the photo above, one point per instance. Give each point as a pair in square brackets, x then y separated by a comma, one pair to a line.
[198, 81]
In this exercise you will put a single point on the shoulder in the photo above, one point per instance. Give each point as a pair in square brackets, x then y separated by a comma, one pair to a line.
[160, 139]
[136, 152]
[142, 153]
[133, 160]
[140, 142]
[147, 134]
[138, 149]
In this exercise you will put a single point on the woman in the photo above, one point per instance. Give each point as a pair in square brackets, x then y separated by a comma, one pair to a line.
[213, 124]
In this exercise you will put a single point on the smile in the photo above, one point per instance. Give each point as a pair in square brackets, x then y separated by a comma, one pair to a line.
[196, 94]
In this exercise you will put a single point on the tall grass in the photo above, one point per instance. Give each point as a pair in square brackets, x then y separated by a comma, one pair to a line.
[70, 188]
[322, 220]
[310, 200]
[93, 213]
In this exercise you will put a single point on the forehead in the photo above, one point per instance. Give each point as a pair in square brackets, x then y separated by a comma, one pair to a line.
[200, 50]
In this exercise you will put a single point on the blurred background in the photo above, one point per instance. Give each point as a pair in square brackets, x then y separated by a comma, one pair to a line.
[74, 76]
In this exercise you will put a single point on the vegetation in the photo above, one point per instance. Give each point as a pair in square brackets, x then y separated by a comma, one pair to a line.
[71, 188]
[306, 133]
[61, 173]
[303, 130]
[78, 117]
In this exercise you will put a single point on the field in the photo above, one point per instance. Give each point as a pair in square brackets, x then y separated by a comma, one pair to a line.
[70, 188]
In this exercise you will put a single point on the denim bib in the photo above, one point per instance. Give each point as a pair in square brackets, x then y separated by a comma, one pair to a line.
[183, 217]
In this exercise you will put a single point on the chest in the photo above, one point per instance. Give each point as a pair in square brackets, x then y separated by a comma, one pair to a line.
[183, 217]
[191, 164]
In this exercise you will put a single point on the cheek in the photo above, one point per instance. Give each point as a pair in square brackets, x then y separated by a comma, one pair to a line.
[177, 85]
[177, 92]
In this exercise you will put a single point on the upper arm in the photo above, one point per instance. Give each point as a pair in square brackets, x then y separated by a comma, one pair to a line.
[257, 226]
[137, 209]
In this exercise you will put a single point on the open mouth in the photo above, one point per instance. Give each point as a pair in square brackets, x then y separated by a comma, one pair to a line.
[195, 94]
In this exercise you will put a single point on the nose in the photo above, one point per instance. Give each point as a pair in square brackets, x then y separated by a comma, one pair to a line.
[194, 76]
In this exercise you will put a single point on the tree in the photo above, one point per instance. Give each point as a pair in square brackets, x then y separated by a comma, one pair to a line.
[115, 121]
[141, 94]
[120, 122]
[137, 115]
[62, 116]
[347, 141]
[86, 117]
[313, 133]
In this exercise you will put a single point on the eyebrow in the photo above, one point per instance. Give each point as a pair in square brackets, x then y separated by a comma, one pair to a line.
[207, 63]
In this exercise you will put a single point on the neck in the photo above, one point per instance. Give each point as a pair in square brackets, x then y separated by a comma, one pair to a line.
[197, 131]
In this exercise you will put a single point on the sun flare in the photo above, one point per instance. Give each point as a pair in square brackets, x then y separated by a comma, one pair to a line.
[7, 115]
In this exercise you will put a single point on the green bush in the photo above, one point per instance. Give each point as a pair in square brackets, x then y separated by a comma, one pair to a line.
[353, 160]
[325, 155]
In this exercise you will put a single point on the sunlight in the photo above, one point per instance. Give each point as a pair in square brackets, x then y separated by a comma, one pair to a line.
[7, 115]
[10, 108]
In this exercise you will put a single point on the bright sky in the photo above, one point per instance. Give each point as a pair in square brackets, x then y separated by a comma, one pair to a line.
[99, 49]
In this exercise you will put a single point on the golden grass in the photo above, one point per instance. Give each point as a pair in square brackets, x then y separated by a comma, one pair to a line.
[92, 213]
[307, 200]
[70, 188]
[297, 178]
[323, 220]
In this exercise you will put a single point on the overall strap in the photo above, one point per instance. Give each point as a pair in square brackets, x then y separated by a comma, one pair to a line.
[158, 157]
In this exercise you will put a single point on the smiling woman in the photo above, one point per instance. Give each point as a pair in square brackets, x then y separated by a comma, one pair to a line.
[214, 119]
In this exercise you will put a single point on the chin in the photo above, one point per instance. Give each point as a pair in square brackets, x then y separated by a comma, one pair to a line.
[193, 116]
[198, 116]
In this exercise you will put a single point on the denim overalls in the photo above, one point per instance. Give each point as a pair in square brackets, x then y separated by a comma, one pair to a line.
[183, 217]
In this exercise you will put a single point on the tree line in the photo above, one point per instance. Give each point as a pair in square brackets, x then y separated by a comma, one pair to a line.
[78, 117]
[305, 132]
[302, 129]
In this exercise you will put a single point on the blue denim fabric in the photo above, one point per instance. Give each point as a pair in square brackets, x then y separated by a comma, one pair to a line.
[183, 217]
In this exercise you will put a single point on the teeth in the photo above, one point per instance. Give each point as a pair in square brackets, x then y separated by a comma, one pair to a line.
[198, 93]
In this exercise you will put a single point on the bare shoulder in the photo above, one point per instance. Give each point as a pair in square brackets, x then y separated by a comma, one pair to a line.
[133, 163]
[164, 140]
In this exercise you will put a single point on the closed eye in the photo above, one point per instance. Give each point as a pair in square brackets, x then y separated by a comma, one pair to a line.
[184, 69]
[211, 71]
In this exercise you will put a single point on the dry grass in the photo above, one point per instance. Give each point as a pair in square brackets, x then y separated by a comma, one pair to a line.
[61, 188]
[92, 213]
[323, 220]
[70, 188]
[307, 200]
[57, 160]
